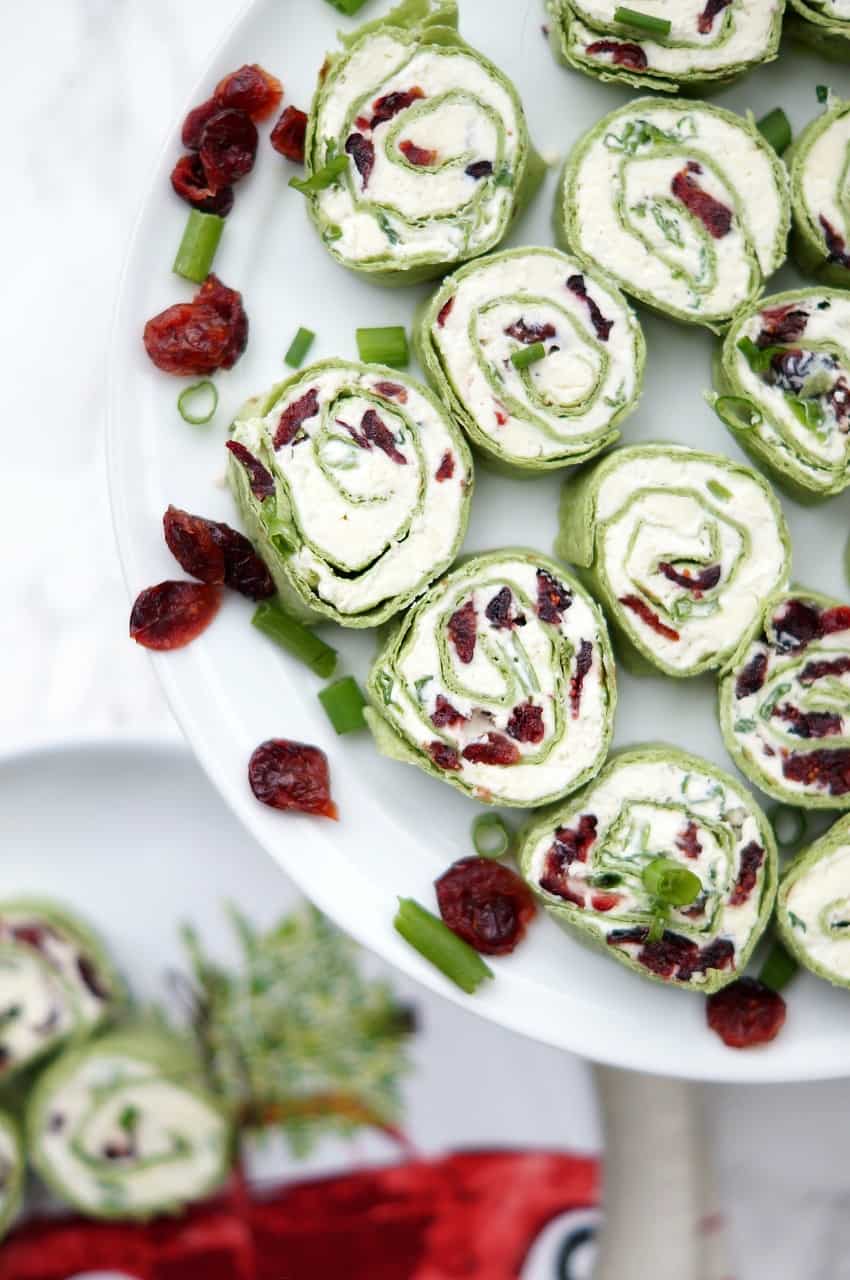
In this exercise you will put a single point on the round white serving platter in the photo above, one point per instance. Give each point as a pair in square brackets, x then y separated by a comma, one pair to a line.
[232, 688]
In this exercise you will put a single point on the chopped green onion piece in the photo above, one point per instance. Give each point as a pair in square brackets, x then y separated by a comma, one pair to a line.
[670, 883]
[789, 825]
[344, 705]
[206, 395]
[298, 348]
[528, 355]
[491, 836]
[778, 969]
[642, 21]
[738, 413]
[347, 7]
[775, 129]
[435, 941]
[822, 91]
[322, 178]
[387, 345]
[297, 639]
[657, 927]
[198, 246]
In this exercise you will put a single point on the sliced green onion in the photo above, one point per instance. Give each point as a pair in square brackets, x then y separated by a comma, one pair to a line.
[779, 968]
[491, 836]
[322, 178]
[387, 345]
[295, 638]
[198, 246]
[344, 703]
[737, 412]
[775, 129]
[445, 950]
[789, 825]
[528, 355]
[205, 394]
[348, 7]
[670, 883]
[298, 348]
[822, 91]
[642, 21]
[656, 929]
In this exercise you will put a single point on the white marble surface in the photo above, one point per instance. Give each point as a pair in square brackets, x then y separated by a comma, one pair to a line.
[88, 90]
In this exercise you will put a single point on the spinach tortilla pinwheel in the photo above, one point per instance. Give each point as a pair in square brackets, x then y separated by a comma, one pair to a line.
[56, 982]
[685, 205]
[783, 385]
[121, 1128]
[813, 905]
[417, 148]
[560, 409]
[785, 702]
[692, 44]
[355, 484]
[819, 162]
[499, 681]
[11, 1172]
[681, 547]
[664, 861]
[823, 25]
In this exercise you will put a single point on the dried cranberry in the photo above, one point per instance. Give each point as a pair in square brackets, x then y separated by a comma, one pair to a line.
[486, 904]
[646, 615]
[835, 619]
[193, 125]
[705, 21]
[260, 480]
[715, 217]
[553, 598]
[584, 661]
[796, 624]
[362, 153]
[200, 336]
[836, 245]
[213, 552]
[291, 775]
[445, 311]
[392, 103]
[751, 677]
[748, 868]
[529, 333]
[377, 432]
[419, 156]
[823, 667]
[526, 723]
[499, 611]
[602, 327]
[444, 714]
[446, 469]
[228, 147]
[91, 978]
[479, 169]
[671, 956]
[809, 724]
[191, 184]
[702, 581]
[287, 137]
[603, 902]
[746, 1013]
[171, 614]
[250, 89]
[688, 841]
[444, 756]
[782, 324]
[624, 53]
[571, 844]
[306, 406]
[496, 749]
[394, 391]
[828, 769]
[462, 631]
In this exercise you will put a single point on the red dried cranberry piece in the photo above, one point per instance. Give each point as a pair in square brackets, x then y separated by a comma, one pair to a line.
[527, 333]
[486, 904]
[602, 327]
[646, 615]
[746, 1013]
[526, 723]
[287, 137]
[420, 156]
[392, 103]
[445, 714]
[702, 581]
[362, 153]
[193, 125]
[671, 956]
[462, 631]
[751, 859]
[624, 53]
[213, 552]
[688, 841]
[835, 619]
[291, 775]
[836, 245]
[446, 469]
[91, 979]
[584, 661]
[250, 89]
[307, 406]
[479, 169]
[191, 184]
[796, 624]
[751, 677]
[715, 217]
[499, 611]
[445, 311]
[823, 667]
[444, 756]
[809, 724]
[828, 769]
[260, 480]
[228, 147]
[392, 391]
[553, 598]
[200, 336]
[497, 749]
[782, 324]
[377, 432]
[572, 843]
[604, 901]
[705, 21]
[171, 614]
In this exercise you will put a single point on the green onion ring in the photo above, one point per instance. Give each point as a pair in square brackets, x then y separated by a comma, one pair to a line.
[205, 388]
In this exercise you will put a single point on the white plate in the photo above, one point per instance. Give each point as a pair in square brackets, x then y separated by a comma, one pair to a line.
[232, 688]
